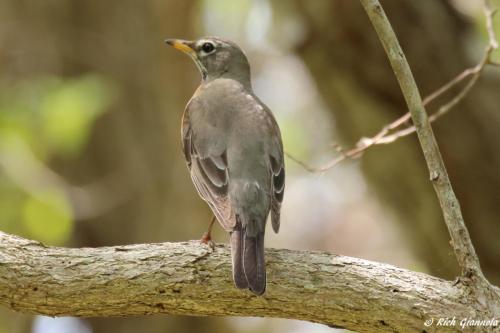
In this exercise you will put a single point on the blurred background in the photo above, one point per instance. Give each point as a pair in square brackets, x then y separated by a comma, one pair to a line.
[90, 108]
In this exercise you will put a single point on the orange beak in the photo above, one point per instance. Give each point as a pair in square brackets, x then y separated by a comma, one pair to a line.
[181, 45]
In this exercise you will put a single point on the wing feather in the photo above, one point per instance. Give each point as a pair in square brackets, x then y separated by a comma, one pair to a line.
[210, 177]
[278, 186]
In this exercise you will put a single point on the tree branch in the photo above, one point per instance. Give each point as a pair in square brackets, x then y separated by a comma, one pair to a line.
[460, 239]
[187, 279]
[464, 250]
[396, 130]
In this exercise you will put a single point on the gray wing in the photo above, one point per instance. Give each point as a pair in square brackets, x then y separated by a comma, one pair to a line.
[210, 177]
[278, 179]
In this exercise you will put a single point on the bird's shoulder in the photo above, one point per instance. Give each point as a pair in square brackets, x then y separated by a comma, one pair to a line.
[224, 108]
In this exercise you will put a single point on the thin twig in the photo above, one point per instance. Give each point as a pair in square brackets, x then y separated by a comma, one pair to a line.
[384, 136]
[489, 13]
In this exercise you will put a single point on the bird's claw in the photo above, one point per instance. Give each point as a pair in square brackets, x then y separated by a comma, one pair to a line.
[207, 239]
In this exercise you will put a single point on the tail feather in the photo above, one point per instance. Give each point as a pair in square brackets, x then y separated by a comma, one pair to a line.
[247, 253]
[237, 242]
[254, 264]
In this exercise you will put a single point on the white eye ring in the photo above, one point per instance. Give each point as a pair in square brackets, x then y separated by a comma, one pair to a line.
[207, 48]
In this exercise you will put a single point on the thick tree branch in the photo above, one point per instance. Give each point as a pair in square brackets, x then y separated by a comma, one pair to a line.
[188, 279]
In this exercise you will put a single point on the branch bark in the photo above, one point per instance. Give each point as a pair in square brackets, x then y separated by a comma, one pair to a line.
[188, 279]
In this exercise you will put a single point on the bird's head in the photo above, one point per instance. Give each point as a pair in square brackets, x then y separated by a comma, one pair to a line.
[215, 57]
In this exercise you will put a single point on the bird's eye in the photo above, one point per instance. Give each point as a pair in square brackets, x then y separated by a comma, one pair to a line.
[207, 47]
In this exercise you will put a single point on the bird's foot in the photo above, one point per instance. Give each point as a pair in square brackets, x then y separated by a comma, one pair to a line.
[207, 239]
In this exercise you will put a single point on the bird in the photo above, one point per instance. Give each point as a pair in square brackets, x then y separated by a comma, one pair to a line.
[234, 152]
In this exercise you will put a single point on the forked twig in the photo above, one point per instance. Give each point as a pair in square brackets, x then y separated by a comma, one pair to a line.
[395, 130]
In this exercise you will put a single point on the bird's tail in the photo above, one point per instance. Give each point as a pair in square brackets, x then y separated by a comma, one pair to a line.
[249, 270]
[237, 257]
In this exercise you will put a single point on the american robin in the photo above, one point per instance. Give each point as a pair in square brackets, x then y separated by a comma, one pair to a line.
[233, 149]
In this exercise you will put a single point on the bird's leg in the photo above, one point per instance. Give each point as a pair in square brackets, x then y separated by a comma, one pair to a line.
[207, 237]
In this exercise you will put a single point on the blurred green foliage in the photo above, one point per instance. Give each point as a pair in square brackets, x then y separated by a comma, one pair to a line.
[47, 217]
[42, 119]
